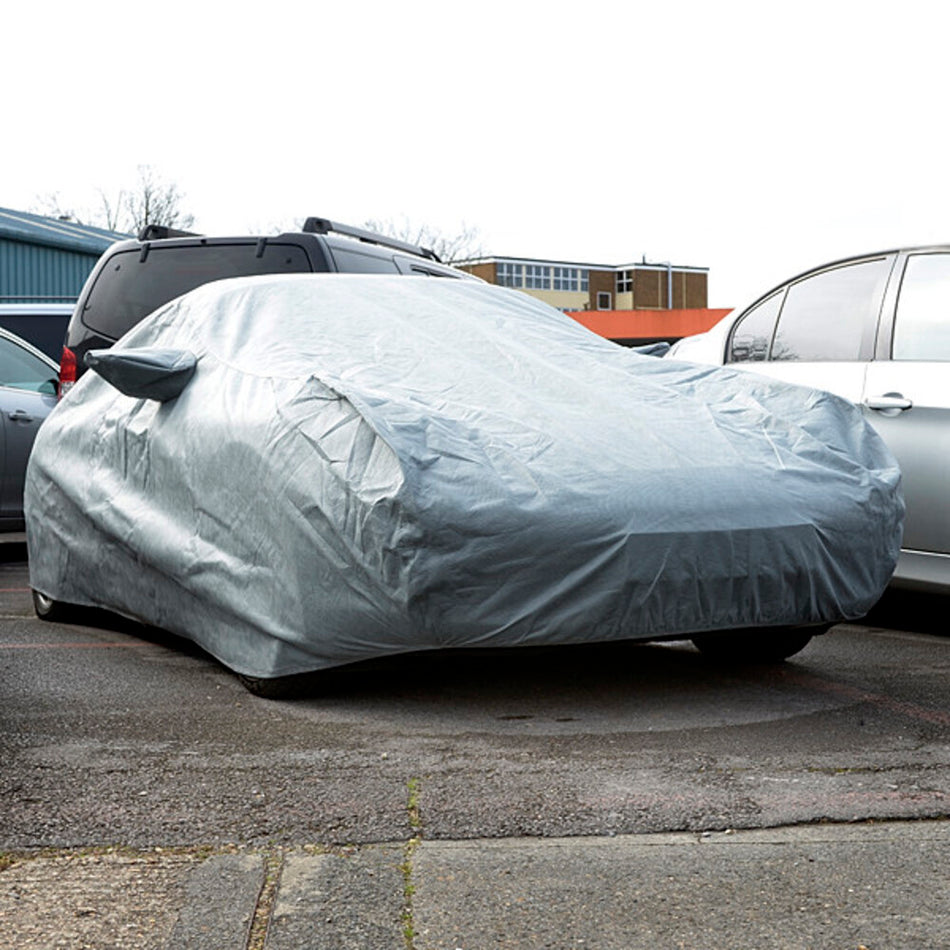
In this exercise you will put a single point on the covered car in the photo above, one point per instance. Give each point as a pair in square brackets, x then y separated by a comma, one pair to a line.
[299, 472]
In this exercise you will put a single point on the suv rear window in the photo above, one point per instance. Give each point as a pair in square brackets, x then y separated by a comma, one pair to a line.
[135, 288]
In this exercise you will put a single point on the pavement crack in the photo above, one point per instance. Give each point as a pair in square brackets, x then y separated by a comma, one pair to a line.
[413, 788]
[408, 890]
[266, 899]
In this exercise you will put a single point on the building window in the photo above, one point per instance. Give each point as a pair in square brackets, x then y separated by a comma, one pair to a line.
[541, 277]
[537, 277]
[566, 278]
[603, 300]
[624, 281]
[509, 275]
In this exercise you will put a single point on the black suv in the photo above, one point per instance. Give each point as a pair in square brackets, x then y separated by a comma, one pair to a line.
[133, 278]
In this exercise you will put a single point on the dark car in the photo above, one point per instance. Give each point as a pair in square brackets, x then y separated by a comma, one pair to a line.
[42, 325]
[133, 278]
[27, 395]
[874, 329]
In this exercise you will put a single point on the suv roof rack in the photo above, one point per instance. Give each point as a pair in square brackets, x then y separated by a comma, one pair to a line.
[158, 232]
[324, 226]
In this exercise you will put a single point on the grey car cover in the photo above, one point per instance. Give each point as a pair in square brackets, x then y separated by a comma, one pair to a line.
[365, 465]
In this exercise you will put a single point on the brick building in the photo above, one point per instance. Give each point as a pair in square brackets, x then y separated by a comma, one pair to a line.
[627, 303]
[576, 286]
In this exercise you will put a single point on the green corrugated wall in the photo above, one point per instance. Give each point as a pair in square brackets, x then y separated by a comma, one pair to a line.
[32, 273]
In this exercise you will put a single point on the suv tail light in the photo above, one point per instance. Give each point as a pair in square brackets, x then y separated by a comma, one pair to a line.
[67, 371]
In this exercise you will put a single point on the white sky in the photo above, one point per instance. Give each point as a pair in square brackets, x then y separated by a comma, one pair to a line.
[751, 138]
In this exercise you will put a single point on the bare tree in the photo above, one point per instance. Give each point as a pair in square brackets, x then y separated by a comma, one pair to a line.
[151, 201]
[111, 212]
[449, 247]
[51, 206]
[155, 201]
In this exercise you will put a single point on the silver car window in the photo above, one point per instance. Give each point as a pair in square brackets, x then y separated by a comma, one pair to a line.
[832, 315]
[922, 324]
[752, 336]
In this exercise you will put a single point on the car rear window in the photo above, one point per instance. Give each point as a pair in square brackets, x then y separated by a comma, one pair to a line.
[129, 288]
[832, 315]
[752, 336]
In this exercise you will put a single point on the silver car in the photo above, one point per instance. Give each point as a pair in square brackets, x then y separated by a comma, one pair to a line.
[27, 396]
[876, 330]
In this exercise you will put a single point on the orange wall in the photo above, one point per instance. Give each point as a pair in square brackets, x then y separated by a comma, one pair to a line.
[648, 324]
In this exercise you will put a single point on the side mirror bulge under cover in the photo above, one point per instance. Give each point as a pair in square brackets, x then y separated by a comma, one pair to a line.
[145, 373]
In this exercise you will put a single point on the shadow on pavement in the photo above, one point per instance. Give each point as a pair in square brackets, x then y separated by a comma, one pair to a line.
[555, 669]
[12, 548]
[911, 610]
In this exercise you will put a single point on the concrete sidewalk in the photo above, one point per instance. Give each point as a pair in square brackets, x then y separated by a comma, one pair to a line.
[819, 886]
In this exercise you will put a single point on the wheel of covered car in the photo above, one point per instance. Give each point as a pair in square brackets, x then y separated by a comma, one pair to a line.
[48, 609]
[760, 645]
[292, 686]
[265, 688]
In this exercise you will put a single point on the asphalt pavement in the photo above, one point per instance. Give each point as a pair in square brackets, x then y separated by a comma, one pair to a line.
[619, 797]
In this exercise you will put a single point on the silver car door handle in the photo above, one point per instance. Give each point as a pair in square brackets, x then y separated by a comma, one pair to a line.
[892, 401]
[20, 416]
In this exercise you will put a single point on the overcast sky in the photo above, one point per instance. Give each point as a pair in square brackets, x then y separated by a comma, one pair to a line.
[753, 139]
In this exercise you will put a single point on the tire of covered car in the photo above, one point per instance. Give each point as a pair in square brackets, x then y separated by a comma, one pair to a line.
[757, 645]
[280, 687]
[52, 610]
